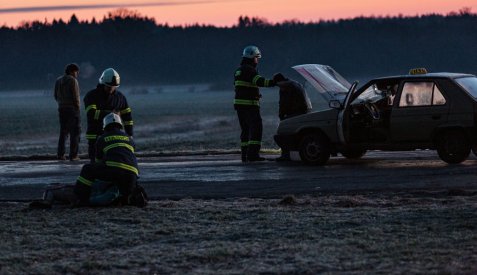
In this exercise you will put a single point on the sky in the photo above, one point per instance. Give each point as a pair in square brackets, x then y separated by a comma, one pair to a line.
[223, 12]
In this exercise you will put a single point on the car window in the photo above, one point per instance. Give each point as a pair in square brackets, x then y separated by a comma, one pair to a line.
[370, 94]
[421, 94]
[469, 84]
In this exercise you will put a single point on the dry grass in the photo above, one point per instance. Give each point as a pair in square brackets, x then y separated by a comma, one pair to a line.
[363, 233]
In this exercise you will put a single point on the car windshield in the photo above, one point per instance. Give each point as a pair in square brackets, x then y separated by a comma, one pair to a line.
[371, 94]
[469, 84]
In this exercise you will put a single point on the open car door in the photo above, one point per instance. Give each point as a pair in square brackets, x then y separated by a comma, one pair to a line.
[329, 83]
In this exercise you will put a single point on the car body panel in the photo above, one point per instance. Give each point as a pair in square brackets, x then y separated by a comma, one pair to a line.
[387, 113]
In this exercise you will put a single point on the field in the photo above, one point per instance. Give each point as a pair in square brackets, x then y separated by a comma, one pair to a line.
[400, 233]
[169, 118]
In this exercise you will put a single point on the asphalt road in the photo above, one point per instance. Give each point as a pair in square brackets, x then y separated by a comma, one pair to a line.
[224, 176]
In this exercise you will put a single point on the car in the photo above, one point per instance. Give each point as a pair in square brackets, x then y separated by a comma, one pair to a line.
[419, 110]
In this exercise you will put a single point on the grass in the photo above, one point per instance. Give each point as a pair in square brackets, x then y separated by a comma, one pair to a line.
[173, 118]
[361, 233]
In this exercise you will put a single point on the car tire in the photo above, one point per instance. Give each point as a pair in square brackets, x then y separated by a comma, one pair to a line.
[314, 149]
[453, 147]
[354, 153]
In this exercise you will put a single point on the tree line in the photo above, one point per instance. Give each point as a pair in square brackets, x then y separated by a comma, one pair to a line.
[33, 54]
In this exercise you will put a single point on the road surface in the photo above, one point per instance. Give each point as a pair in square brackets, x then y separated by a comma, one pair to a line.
[224, 176]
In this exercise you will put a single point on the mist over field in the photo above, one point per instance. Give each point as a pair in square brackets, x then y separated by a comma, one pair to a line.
[170, 118]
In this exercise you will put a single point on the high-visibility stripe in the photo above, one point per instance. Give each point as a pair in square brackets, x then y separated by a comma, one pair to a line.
[91, 136]
[96, 114]
[255, 79]
[254, 142]
[246, 102]
[237, 73]
[267, 82]
[125, 111]
[245, 84]
[92, 106]
[84, 181]
[114, 145]
[122, 166]
[243, 144]
[116, 137]
[129, 123]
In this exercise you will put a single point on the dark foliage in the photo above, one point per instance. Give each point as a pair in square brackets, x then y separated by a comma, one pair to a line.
[35, 53]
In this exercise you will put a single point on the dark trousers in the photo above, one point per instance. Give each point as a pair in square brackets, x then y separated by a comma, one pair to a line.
[125, 180]
[92, 150]
[251, 136]
[70, 125]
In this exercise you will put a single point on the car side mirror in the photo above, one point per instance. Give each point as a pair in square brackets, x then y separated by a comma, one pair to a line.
[335, 104]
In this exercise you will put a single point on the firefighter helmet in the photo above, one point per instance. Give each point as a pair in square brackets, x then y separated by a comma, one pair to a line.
[112, 118]
[251, 52]
[109, 77]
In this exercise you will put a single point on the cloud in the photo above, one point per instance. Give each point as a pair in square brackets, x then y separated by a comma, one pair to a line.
[100, 6]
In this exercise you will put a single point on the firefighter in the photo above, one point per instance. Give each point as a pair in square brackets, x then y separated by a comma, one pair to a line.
[116, 163]
[247, 103]
[101, 101]
[293, 102]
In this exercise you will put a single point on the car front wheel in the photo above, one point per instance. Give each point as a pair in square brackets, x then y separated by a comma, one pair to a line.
[314, 149]
[453, 147]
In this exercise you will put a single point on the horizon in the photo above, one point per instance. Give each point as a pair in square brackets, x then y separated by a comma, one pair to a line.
[225, 13]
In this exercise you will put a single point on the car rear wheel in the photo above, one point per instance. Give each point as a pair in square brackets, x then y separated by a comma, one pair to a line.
[453, 147]
[314, 149]
[354, 153]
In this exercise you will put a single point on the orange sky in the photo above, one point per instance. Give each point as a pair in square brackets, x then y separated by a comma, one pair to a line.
[223, 12]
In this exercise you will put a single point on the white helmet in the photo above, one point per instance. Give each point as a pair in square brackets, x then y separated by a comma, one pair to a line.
[251, 52]
[112, 118]
[109, 77]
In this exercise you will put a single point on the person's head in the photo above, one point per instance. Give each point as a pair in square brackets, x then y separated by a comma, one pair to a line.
[279, 77]
[252, 52]
[112, 121]
[72, 69]
[110, 80]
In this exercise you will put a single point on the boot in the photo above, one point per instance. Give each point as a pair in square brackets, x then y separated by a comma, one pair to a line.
[243, 150]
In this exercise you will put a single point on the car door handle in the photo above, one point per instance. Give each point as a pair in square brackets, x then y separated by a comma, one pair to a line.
[436, 117]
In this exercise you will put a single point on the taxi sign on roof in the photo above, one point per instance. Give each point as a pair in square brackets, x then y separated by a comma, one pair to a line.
[417, 71]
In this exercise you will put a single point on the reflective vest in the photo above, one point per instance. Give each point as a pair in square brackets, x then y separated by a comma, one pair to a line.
[247, 83]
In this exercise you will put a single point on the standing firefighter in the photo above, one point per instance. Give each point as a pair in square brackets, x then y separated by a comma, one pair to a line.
[247, 103]
[67, 94]
[101, 101]
[116, 163]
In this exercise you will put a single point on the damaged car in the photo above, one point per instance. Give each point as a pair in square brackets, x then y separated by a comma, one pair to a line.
[419, 110]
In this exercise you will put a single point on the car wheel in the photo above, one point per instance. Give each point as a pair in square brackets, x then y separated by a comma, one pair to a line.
[314, 149]
[354, 153]
[453, 147]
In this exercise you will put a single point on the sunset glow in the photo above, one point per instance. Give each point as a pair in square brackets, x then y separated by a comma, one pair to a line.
[224, 12]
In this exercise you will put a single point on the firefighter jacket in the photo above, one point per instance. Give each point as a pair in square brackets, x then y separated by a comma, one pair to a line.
[98, 104]
[116, 149]
[67, 92]
[293, 99]
[247, 81]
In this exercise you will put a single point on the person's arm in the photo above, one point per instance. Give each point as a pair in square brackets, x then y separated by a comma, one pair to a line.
[76, 94]
[126, 116]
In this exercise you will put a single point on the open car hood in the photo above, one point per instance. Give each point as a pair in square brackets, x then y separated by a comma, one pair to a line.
[330, 84]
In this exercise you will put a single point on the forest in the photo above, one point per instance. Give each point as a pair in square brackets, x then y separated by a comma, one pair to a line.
[34, 54]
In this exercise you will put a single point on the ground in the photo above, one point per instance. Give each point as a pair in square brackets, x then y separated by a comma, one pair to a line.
[402, 212]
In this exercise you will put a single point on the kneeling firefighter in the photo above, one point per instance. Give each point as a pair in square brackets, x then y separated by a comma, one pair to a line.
[115, 163]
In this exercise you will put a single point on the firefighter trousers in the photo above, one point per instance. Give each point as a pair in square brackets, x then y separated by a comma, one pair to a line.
[251, 136]
[125, 180]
